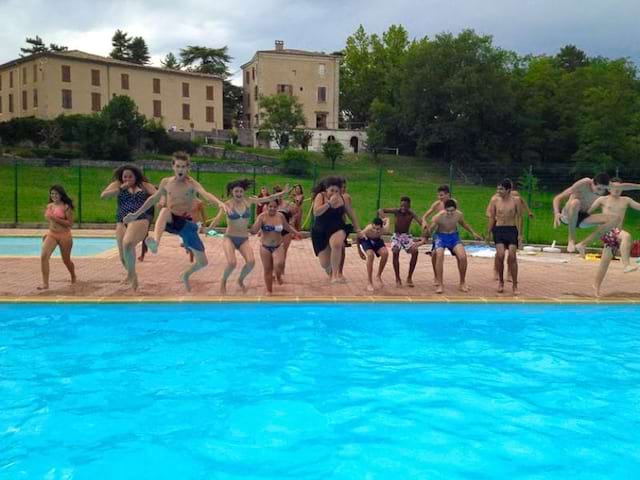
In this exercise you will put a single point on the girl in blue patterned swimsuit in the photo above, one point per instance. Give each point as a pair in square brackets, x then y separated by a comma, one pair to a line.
[131, 188]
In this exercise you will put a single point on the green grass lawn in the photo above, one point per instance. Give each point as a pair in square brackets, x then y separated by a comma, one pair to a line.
[410, 176]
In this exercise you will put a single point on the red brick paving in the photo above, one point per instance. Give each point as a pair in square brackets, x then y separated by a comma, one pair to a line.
[159, 276]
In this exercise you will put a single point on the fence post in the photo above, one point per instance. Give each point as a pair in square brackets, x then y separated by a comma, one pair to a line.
[617, 172]
[451, 178]
[80, 193]
[379, 186]
[529, 197]
[198, 172]
[15, 191]
[254, 206]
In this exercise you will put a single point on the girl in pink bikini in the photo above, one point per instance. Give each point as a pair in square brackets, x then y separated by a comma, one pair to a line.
[59, 214]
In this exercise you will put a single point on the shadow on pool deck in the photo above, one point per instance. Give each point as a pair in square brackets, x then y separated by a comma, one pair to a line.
[101, 279]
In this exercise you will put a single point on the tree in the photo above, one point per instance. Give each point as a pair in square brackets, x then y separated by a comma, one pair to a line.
[121, 43]
[232, 104]
[302, 138]
[138, 51]
[281, 114]
[38, 46]
[171, 62]
[571, 57]
[333, 151]
[206, 60]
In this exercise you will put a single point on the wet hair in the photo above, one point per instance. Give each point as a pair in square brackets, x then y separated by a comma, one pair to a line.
[405, 199]
[326, 183]
[601, 179]
[181, 155]
[137, 173]
[244, 184]
[507, 184]
[450, 203]
[63, 195]
[378, 221]
[444, 189]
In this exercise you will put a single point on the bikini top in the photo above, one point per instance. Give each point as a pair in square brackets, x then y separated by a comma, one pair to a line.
[234, 215]
[57, 210]
[272, 228]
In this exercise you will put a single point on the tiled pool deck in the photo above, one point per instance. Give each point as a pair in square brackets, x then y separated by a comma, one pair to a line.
[543, 278]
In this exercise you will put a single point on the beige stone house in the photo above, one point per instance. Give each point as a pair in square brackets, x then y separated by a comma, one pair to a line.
[313, 77]
[49, 84]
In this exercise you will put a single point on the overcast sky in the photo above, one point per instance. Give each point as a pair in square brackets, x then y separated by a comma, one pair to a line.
[600, 27]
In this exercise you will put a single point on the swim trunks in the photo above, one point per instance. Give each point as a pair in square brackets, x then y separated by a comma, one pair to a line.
[506, 235]
[447, 240]
[564, 218]
[611, 239]
[402, 241]
[187, 230]
[374, 244]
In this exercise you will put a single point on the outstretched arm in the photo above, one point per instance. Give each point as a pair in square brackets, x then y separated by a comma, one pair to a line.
[289, 228]
[625, 187]
[255, 228]
[210, 197]
[468, 228]
[633, 204]
[596, 205]
[217, 218]
[149, 202]
[274, 196]
[111, 191]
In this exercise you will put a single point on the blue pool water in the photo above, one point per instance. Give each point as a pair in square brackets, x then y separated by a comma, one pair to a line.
[31, 246]
[319, 392]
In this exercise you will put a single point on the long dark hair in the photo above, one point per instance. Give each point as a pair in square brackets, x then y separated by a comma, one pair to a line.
[326, 183]
[301, 189]
[137, 173]
[63, 195]
[244, 184]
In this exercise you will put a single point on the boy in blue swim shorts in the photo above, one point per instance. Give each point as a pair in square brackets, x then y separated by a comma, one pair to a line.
[445, 228]
[180, 192]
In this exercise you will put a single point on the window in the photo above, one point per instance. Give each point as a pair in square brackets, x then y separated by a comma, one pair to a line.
[0, 82]
[66, 73]
[96, 102]
[321, 120]
[35, 98]
[286, 89]
[156, 86]
[95, 78]
[247, 78]
[322, 69]
[322, 94]
[185, 90]
[253, 73]
[157, 108]
[66, 99]
[35, 73]
[186, 111]
[209, 92]
[11, 103]
[248, 97]
[10, 79]
[24, 75]
[255, 91]
[124, 81]
[24, 100]
[0, 104]
[209, 114]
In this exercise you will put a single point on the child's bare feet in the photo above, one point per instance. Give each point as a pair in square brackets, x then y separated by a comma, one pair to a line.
[152, 244]
[379, 279]
[582, 250]
[463, 287]
[516, 292]
[44, 287]
[223, 288]
[242, 286]
[370, 287]
[596, 291]
[571, 246]
[500, 287]
[439, 289]
[410, 282]
[398, 283]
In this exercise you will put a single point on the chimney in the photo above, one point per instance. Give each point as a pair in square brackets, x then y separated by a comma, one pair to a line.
[279, 45]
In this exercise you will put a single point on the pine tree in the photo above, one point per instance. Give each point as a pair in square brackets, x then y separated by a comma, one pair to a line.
[36, 45]
[121, 46]
[54, 47]
[171, 62]
[138, 51]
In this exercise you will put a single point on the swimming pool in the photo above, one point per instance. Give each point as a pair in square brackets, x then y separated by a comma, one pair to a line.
[319, 391]
[31, 246]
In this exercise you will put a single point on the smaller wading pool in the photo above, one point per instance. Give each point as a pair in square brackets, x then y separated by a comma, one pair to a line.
[30, 246]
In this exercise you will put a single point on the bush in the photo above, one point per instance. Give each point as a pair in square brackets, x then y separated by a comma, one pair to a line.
[296, 162]
[22, 129]
[64, 154]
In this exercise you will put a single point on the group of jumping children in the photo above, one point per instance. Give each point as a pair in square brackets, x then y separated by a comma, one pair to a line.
[180, 200]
